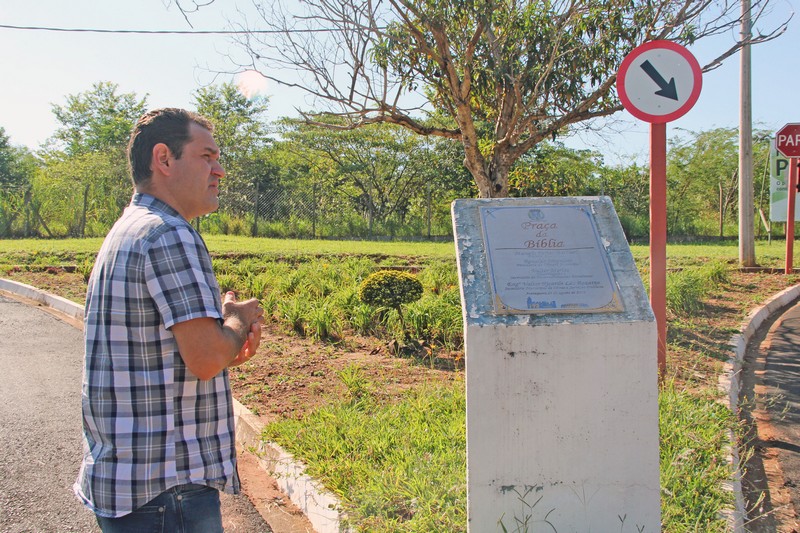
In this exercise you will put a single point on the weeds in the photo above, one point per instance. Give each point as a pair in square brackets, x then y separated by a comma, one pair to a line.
[358, 386]
[293, 312]
[687, 288]
[322, 321]
[694, 433]
[381, 459]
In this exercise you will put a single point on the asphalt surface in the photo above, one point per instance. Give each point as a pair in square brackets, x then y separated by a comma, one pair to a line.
[40, 417]
[772, 479]
[782, 379]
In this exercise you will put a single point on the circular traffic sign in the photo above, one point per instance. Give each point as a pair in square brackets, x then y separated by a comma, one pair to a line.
[787, 140]
[659, 81]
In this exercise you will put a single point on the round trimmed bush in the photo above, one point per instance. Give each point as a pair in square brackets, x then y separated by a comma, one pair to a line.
[390, 288]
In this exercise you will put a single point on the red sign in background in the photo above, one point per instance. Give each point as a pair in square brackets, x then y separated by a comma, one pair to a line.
[787, 140]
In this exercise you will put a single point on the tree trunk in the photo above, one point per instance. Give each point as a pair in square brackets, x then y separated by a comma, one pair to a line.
[492, 182]
[85, 209]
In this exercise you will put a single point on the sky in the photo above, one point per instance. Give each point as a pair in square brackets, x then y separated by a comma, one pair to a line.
[39, 69]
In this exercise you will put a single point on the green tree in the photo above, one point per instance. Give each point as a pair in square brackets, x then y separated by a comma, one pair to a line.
[551, 169]
[96, 120]
[242, 134]
[703, 179]
[85, 182]
[629, 188]
[12, 174]
[17, 166]
[81, 195]
[384, 171]
[506, 73]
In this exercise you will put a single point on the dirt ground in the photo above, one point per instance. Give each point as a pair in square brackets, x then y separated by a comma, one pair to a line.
[292, 375]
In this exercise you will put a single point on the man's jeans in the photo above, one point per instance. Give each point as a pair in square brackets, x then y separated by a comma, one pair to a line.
[181, 509]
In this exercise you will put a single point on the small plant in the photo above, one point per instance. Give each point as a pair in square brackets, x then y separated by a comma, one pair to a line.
[269, 302]
[85, 268]
[256, 285]
[391, 288]
[227, 282]
[716, 271]
[358, 386]
[322, 321]
[687, 288]
[362, 319]
[293, 312]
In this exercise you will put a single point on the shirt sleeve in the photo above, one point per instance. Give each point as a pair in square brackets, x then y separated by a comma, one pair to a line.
[180, 278]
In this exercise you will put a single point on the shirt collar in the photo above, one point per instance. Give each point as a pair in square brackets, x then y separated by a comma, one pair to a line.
[142, 199]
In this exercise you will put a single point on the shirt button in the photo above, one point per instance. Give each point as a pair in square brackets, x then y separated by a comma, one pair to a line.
[180, 497]
[161, 509]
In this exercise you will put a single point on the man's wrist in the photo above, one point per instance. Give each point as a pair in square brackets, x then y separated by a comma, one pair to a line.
[238, 331]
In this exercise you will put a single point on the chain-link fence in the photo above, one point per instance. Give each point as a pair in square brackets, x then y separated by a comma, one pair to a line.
[264, 212]
[310, 213]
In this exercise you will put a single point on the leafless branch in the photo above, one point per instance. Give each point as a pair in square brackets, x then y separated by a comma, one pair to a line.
[327, 48]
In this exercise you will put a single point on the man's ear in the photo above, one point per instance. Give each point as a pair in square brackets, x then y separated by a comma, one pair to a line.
[160, 162]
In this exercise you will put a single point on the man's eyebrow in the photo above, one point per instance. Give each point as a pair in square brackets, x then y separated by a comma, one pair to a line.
[211, 150]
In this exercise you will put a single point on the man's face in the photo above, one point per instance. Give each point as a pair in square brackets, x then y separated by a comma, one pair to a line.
[196, 175]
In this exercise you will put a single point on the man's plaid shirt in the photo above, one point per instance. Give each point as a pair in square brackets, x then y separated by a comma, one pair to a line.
[149, 423]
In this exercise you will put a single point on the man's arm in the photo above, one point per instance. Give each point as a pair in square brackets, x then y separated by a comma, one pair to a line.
[207, 347]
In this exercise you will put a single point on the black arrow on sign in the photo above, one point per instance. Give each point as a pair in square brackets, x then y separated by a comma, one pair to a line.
[666, 89]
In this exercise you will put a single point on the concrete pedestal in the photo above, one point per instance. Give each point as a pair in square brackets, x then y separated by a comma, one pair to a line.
[562, 407]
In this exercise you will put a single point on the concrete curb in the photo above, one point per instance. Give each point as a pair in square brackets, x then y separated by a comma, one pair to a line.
[50, 300]
[730, 383]
[321, 508]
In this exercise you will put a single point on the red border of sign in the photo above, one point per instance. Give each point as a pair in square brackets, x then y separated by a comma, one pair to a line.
[776, 138]
[636, 52]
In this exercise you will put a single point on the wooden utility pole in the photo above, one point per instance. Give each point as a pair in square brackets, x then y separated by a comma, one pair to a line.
[747, 246]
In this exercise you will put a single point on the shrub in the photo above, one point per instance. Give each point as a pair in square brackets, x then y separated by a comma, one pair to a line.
[391, 288]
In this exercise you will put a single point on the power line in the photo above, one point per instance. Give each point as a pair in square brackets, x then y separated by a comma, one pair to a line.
[158, 32]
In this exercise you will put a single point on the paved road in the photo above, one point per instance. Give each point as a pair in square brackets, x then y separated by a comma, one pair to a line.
[782, 378]
[40, 377]
[40, 440]
[774, 367]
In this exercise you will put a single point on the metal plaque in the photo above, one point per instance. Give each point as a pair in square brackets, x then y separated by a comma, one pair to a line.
[548, 259]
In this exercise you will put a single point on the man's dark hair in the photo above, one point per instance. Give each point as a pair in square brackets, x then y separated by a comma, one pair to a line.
[168, 125]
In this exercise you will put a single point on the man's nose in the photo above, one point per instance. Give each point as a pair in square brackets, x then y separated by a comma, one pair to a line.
[217, 170]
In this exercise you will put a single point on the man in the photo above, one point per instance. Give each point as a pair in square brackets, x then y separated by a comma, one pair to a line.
[157, 408]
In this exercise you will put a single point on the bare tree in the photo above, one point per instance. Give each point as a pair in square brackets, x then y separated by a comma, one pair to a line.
[499, 76]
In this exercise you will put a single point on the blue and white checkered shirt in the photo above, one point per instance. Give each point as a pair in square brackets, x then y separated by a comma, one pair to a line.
[149, 423]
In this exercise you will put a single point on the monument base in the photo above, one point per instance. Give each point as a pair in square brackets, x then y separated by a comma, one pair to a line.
[561, 369]
[562, 428]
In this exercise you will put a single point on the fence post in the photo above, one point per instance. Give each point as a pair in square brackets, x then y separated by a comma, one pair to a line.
[429, 210]
[254, 231]
[314, 211]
